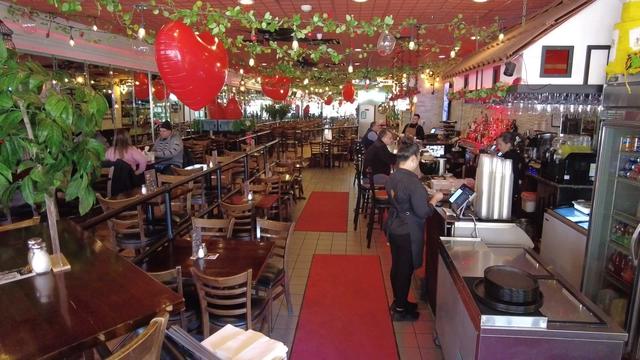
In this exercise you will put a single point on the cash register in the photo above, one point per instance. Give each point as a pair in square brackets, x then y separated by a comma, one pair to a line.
[459, 200]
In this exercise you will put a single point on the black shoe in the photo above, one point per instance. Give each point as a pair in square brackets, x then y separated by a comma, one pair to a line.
[404, 315]
[410, 305]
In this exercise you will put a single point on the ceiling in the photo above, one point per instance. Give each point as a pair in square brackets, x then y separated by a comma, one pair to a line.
[425, 11]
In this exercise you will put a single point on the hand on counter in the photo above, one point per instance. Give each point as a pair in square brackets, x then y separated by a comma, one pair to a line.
[436, 198]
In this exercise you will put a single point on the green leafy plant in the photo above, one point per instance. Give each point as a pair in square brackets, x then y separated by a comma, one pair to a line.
[47, 134]
[247, 124]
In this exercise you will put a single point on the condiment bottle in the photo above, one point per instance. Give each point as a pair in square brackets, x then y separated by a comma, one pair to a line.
[40, 261]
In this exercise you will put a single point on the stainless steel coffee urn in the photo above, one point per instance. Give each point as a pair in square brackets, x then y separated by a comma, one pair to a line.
[494, 188]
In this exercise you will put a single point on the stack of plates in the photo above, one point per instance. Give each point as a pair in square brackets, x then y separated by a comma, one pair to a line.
[508, 289]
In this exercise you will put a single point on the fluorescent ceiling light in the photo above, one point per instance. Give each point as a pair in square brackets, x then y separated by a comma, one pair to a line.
[246, 2]
[480, 1]
[360, 1]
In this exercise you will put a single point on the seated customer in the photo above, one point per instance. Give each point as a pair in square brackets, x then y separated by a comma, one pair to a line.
[413, 129]
[371, 135]
[379, 158]
[123, 150]
[168, 148]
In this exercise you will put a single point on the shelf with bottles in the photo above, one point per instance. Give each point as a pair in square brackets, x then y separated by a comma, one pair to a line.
[625, 218]
[619, 284]
[618, 246]
[620, 269]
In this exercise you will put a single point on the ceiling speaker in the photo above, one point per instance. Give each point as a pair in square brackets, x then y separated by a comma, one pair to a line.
[509, 68]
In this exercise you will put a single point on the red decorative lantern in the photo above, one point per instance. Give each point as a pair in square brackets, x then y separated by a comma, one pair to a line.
[276, 87]
[159, 90]
[233, 111]
[216, 110]
[141, 86]
[348, 92]
[194, 68]
[329, 100]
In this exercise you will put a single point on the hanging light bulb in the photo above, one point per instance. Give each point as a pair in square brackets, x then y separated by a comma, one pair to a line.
[306, 81]
[95, 25]
[350, 68]
[294, 44]
[501, 36]
[141, 32]
[241, 71]
[259, 79]
[452, 54]
[251, 62]
[412, 45]
[72, 42]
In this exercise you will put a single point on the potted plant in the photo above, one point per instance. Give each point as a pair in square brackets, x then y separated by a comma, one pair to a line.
[47, 138]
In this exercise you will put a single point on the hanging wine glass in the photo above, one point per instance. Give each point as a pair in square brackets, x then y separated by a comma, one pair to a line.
[386, 43]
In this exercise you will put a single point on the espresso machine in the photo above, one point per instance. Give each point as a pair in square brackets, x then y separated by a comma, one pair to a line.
[569, 161]
[537, 146]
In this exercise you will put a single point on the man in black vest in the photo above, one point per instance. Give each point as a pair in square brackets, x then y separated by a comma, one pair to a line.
[371, 135]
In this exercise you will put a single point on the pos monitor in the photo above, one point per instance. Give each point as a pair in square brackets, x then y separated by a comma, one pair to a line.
[460, 198]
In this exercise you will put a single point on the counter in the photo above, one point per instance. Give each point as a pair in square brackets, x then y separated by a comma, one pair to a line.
[568, 326]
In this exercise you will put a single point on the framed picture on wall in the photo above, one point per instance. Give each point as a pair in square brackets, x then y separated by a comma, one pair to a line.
[556, 120]
[363, 115]
[556, 61]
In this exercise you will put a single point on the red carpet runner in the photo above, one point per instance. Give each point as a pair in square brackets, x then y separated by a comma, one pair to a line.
[345, 314]
[325, 212]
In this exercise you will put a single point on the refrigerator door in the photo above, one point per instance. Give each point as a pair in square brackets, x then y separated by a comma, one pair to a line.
[610, 276]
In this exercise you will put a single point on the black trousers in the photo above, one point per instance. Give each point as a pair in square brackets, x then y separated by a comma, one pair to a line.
[401, 268]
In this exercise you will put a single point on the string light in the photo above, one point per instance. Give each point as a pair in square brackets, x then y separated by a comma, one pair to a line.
[95, 25]
[501, 36]
[72, 42]
[251, 62]
[294, 44]
[452, 54]
[306, 81]
[350, 68]
[241, 71]
[141, 32]
[412, 45]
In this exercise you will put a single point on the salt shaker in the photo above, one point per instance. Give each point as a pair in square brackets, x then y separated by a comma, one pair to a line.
[40, 260]
[202, 250]
[30, 243]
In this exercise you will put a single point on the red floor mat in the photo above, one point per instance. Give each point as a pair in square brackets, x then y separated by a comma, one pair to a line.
[325, 212]
[345, 314]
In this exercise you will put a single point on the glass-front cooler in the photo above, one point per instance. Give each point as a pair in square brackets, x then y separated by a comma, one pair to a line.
[611, 264]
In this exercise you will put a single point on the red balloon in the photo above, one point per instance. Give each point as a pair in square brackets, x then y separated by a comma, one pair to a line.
[141, 86]
[232, 110]
[329, 100]
[216, 110]
[276, 87]
[352, 100]
[348, 91]
[159, 91]
[193, 68]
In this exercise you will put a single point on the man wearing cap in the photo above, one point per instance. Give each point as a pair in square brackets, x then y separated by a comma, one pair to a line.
[168, 148]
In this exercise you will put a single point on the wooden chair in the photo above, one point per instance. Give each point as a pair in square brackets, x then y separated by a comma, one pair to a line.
[274, 280]
[379, 204]
[362, 197]
[317, 153]
[20, 224]
[229, 301]
[285, 198]
[180, 197]
[243, 217]
[219, 228]
[340, 152]
[128, 229]
[172, 279]
[198, 198]
[146, 346]
[107, 173]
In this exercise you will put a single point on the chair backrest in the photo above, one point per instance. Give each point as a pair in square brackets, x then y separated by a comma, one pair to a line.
[243, 219]
[20, 224]
[261, 188]
[279, 232]
[127, 222]
[186, 190]
[274, 184]
[108, 173]
[171, 278]
[220, 228]
[146, 346]
[316, 147]
[228, 296]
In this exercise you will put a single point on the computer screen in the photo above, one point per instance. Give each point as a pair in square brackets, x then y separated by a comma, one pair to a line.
[435, 150]
[461, 197]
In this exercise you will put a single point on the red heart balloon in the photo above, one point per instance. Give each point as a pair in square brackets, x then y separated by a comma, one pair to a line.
[216, 110]
[276, 87]
[232, 110]
[329, 100]
[159, 90]
[348, 91]
[193, 68]
[141, 86]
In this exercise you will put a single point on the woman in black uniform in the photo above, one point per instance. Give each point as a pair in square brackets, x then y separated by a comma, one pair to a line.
[410, 207]
[507, 146]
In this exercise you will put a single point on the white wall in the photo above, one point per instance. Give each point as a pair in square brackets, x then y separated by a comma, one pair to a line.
[592, 26]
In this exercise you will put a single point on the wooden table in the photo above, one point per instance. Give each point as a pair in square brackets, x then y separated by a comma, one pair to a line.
[236, 256]
[55, 315]
[260, 201]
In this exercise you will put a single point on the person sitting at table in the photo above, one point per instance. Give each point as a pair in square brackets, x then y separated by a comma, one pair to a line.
[371, 135]
[168, 148]
[122, 149]
[379, 158]
[413, 129]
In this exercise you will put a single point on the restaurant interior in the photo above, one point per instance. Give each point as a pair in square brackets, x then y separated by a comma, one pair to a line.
[322, 179]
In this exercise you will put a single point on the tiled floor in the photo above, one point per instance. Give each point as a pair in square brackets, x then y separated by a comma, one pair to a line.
[414, 338]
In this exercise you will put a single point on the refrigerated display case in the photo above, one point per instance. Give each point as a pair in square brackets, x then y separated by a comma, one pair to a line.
[611, 264]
